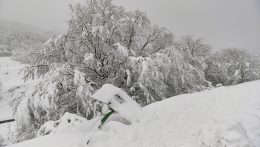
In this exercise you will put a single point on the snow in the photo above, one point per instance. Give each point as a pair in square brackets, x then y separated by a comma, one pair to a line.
[219, 85]
[120, 102]
[121, 51]
[66, 121]
[2, 141]
[10, 78]
[106, 93]
[97, 29]
[89, 57]
[225, 116]
[128, 81]
[9, 71]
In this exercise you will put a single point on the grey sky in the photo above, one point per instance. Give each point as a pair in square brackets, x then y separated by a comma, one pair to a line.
[222, 23]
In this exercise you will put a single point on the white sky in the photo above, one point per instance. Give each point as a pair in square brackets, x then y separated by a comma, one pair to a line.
[222, 23]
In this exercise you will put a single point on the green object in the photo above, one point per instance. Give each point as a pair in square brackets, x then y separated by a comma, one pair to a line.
[107, 116]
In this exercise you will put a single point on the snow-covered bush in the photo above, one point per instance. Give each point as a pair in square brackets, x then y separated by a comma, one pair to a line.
[66, 121]
[163, 75]
[48, 98]
[238, 64]
[184, 77]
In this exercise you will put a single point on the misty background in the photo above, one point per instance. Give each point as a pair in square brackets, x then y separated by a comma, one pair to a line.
[222, 23]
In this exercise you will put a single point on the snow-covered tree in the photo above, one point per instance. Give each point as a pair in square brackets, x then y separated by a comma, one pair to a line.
[239, 65]
[188, 77]
[104, 44]
[195, 51]
[215, 73]
[163, 75]
[195, 47]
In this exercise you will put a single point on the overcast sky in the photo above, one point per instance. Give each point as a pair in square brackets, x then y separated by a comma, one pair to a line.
[222, 23]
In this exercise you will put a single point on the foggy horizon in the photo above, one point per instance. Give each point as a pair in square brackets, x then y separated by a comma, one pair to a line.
[222, 24]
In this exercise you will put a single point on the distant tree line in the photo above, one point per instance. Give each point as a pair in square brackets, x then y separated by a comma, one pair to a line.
[18, 40]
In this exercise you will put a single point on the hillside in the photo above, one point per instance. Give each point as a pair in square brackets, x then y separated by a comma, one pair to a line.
[226, 116]
[17, 38]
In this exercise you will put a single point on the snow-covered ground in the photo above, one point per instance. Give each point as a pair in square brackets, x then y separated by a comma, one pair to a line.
[10, 78]
[222, 117]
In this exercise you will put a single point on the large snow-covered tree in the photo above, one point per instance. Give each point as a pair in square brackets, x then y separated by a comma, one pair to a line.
[104, 44]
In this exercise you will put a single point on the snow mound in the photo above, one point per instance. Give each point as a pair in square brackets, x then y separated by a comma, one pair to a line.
[225, 134]
[222, 117]
[67, 120]
[119, 101]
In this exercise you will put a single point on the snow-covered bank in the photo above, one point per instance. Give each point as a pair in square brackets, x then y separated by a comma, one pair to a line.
[10, 73]
[10, 78]
[226, 116]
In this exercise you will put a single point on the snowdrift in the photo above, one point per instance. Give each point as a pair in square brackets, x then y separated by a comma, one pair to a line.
[66, 121]
[226, 116]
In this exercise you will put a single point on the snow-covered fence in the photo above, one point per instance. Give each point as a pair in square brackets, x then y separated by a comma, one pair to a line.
[6, 121]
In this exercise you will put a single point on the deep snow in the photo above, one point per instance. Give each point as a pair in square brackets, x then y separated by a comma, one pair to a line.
[225, 116]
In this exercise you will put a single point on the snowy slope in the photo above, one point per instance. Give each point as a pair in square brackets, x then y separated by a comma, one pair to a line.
[10, 78]
[226, 116]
